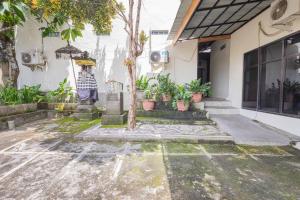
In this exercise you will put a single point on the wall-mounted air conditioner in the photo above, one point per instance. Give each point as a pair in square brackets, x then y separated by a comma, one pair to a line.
[284, 12]
[34, 59]
[159, 57]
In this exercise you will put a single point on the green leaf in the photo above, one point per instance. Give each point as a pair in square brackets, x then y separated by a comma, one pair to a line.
[19, 12]
[65, 34]
[5, 6]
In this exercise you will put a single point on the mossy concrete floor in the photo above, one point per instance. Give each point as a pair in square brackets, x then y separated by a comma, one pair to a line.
[37, 162]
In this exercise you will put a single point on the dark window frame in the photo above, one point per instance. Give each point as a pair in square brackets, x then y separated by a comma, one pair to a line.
[282, 76]
[244, 70]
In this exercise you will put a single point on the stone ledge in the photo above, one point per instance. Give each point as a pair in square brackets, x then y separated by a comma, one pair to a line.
[171, 114]
[108, 119]
[158, 138]
[21, 119]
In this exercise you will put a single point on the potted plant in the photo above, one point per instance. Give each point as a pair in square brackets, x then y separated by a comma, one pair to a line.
[149, 99]
[205, 89]
[196, 89]
[182, 98]
[142, 84]
[166, 87]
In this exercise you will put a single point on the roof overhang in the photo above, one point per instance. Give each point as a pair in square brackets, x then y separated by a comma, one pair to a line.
[209, 20]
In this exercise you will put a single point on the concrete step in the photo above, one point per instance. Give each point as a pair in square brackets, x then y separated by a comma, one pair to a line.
[217, 103]
[222, 110]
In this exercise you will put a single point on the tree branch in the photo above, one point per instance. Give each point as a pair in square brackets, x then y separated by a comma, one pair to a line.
[137, 21]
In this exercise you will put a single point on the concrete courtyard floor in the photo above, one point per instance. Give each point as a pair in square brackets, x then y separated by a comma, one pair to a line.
[38, 162]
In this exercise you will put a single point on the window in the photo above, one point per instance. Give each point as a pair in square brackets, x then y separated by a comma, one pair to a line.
[250, 79]
[291, 85]
[272, 77]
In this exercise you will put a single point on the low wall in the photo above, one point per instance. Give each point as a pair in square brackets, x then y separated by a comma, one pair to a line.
[17, 109]
[20, 119]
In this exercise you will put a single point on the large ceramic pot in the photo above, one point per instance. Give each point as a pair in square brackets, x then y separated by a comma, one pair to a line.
[166, 97]
[197, 97]
[182, 106]
[148, 105]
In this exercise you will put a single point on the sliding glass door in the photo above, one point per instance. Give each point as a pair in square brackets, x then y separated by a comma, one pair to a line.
[272, 77]
[291, 86]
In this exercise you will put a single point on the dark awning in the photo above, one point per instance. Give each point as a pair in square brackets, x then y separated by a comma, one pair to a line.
[210, 18]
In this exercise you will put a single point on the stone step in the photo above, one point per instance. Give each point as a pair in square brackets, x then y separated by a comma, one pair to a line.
[224, 110]
[217, 103]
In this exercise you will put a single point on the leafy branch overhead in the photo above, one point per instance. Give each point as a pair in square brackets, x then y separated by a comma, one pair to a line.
[72, 15]
[11, 14]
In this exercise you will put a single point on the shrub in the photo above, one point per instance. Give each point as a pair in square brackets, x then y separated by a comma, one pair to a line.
[9, 95]
[28, 94]
[31, 94]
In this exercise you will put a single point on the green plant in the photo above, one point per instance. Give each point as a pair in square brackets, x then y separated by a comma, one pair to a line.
[150, 92]
[9, 95]
[166, 85]
[28, 94]
[195, 86]
[205, 89]
[62, 94]
[182, 94]
[143, 82]
[31, 94]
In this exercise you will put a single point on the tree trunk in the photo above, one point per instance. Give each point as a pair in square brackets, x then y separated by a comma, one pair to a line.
[13, 62]
[11, 53]
[135, 49]
[133, 100]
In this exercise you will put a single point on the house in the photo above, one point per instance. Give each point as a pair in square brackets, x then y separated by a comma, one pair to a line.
[251, 58]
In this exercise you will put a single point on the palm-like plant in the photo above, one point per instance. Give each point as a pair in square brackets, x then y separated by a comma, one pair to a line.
[165, 85]
[143, 82]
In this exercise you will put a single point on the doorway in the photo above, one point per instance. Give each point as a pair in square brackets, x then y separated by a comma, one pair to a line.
[203, 68]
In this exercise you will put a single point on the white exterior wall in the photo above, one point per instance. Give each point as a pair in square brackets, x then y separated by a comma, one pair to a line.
[109, 51]
[242, 41]
[183, 61]
[219, 68]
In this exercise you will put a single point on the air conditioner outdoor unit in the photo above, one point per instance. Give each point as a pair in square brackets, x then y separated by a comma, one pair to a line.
[32, 58]
[159, 57]
[284, 12]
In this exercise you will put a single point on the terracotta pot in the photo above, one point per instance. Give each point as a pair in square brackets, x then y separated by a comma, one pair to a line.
[197, 97]
[148, 105]
[182, 106]
[166, 97]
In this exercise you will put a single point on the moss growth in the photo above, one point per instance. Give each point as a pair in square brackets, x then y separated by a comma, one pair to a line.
[182, 148]
[221, 148]
[263, 150]
[70, 125]
[150, 147]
